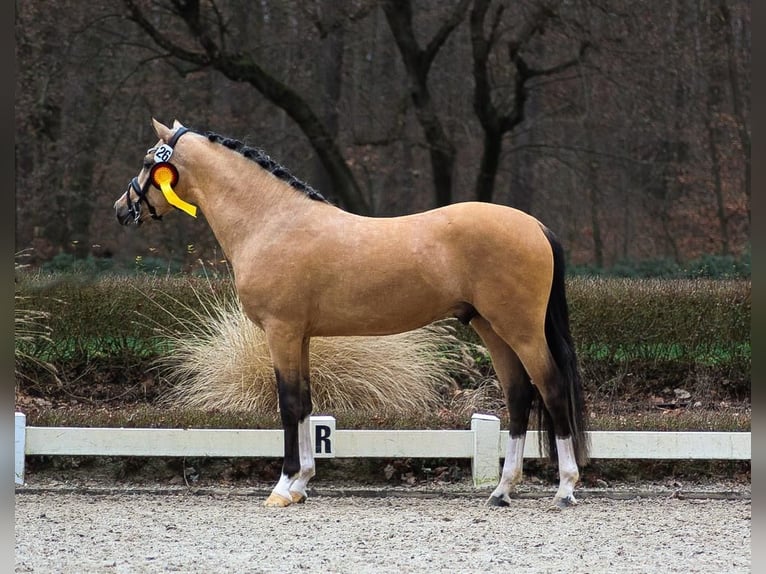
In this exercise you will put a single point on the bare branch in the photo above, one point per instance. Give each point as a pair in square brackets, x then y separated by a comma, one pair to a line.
[536, 72]
[444, 32]
[137, 16]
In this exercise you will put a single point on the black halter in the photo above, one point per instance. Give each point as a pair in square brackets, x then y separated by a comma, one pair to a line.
[134, 209]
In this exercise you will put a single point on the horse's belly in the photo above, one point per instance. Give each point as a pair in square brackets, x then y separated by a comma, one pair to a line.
[383, 312]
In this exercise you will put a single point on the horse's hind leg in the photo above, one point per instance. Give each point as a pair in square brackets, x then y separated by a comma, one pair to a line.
[287, 354]
[518, 394]
[545, 375]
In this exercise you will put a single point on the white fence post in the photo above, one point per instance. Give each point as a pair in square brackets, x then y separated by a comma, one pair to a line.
[485, 464]
[19, 446]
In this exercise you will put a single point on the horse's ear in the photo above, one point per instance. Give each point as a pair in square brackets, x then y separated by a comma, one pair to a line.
[177, 124]
[163, 132]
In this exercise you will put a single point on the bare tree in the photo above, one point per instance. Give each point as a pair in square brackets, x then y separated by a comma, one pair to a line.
[499, 118]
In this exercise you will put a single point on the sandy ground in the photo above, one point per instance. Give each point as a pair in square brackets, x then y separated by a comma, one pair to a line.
[639, 528]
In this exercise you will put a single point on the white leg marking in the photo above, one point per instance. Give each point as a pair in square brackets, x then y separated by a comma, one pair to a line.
[568, 472]
[306, 453]
[283, 486]
[512, 469]
[287, 490]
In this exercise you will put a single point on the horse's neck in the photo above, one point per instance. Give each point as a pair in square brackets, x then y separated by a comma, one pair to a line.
[240, 199]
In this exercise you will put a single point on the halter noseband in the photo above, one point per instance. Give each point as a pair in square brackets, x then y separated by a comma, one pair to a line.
[134, 209]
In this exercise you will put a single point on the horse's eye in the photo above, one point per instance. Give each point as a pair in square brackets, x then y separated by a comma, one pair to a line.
[147, 164]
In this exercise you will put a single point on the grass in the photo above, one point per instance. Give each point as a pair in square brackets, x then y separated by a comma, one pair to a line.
[710, 355]
[106, 347]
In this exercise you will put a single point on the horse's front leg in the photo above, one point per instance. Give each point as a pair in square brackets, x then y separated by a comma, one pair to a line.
[298, 487]
[305, 447]
[291, 487]
[295, 408]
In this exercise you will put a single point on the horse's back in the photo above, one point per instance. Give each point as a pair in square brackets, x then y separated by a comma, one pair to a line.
[458, 246]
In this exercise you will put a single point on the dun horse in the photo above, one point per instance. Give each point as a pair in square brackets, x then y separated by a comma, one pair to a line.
[305, 268]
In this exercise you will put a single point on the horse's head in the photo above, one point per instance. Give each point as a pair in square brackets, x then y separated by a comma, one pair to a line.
[157, 183]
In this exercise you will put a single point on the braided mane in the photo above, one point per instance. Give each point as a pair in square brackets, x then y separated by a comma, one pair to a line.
[262, 159]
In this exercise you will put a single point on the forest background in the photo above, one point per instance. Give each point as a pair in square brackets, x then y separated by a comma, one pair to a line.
[622, 125]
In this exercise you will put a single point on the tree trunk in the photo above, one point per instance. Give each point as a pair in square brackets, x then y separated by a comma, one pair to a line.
[417, 63]
[739, 103]
[330, 83]
[490, 161]
[715, 170]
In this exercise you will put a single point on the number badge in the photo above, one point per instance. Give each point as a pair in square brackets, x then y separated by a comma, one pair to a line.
[163, 153]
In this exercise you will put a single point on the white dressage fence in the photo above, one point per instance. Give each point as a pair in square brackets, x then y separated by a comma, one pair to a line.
[484, 444]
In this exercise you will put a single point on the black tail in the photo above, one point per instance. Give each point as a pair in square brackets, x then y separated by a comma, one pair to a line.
[562, 348]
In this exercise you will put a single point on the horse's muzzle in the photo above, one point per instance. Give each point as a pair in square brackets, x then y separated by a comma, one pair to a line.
[125, 215]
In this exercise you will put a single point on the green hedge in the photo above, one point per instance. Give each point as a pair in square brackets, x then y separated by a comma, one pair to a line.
[648, 335]
[704, 267]
[708, 320]
[642, 336]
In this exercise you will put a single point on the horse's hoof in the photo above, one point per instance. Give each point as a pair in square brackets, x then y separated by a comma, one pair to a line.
[504, 500]
[297, 497]
[560, 503]
[277, 501]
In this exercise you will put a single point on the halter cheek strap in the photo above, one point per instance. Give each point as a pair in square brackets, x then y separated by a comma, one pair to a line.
[135, 208]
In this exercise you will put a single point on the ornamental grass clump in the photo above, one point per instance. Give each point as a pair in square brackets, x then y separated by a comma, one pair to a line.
[219, 360]
[30, 328]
